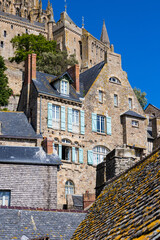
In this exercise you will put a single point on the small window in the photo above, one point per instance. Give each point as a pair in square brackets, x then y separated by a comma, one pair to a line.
[2, 44]
[69, 188]
[130, 103]
[5, 198]
[26, 31]
[100, 124]
[115, 100]
[76, 155]
[66, 153]
[11, 26]
[114, 80]
[18, 35]
[64, 87]
[100, 96]
[56, 116]
[135, 123]
[66, 141]
[5, 33]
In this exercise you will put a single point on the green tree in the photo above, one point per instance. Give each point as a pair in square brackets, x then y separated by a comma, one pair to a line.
[27, 44]
[141, 96]
[49, 59]
[55, 63]
[5, 91]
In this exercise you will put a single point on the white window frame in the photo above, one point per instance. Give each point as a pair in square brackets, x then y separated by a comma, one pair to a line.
[130, 103]
[100, 96]
[102, 120]
[75, 121]
[99, 153]
[115, 100]
[5, 197]
[135, 123]
[64, 87]
[56, 116]
[69, 188]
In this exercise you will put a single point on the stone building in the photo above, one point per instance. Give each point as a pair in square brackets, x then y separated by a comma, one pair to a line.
[28, 177]
[85, 116]
[128, 206]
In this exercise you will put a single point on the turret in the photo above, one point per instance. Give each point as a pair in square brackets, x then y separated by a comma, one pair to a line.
[104, 35]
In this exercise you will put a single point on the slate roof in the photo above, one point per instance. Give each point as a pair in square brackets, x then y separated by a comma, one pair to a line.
[27, 155]
[42, 84]
[128, 207]
[37, 224]
[149, 133]
[25, 20]
[133, 114]
[88, 77]
[15, 124]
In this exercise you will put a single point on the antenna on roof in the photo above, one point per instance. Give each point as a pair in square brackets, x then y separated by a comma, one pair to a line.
[65, 1]
[82, 22]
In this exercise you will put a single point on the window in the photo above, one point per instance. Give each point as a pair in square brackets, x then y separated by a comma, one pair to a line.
[56, 116]
[80, 48]
[99, 153]
[76, 155]
[2, 44]
[66, 150]
[64, 87]
[75, 120]
[135, 123]
[17, 12]
[5, 33]
[5, 198]
[100, 124]
[115, 100]
[69, 188]
[11, 26]
[114, 80]
[100, 96]
[26, 31]
[130, 103]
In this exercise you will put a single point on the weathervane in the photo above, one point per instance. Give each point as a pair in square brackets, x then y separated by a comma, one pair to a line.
[65, 5]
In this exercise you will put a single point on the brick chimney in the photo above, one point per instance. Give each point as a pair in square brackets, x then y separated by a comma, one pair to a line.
[74, 73]
[88, 199]
[47, 145]
[30, 68]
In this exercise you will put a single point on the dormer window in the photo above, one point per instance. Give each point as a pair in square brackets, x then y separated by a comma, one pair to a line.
[64, 87]
[114, 80]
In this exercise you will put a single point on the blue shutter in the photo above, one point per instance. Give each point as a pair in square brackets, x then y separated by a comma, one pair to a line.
[60, 151]
[80, 155]
[73, 154]
[63, 118]
[90, 157]
[69, 119]
[109, 127]
[49, 115]
[94, 122]
[82, 122]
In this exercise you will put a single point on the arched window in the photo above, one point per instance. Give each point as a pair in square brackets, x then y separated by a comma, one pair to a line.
[114, 80]
[69, 188]
[99, 153]
[66, 141]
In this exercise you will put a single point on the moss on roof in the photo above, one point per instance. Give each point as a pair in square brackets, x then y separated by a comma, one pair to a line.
[128, 207]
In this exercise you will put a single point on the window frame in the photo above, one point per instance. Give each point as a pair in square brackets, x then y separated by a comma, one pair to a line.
[102, 121]
[64, 89]
[69, 185]
[135, 123]
[114, 80]
[98, 154]
[130, 103]
[56, 116]
[5, 193]
[100, 96]
[115, 100]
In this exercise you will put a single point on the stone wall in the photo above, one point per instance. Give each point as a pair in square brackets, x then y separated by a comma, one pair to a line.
[115, 163]
[30, 185]
[13, 27]
[18, 142]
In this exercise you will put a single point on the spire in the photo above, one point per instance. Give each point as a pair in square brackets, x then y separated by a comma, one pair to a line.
[104, 35]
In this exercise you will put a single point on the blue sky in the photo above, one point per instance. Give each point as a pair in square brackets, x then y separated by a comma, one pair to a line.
[133, 28]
